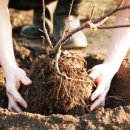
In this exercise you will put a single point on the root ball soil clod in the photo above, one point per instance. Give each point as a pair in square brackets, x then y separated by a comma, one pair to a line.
[51, 93]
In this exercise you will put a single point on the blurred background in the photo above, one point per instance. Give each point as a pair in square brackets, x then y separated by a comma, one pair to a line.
[98, 40]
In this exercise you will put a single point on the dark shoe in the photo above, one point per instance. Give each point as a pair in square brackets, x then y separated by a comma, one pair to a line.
[31, 31]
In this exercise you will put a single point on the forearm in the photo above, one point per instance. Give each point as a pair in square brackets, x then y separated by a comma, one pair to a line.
[102, 74]
[6, 46]
[120, 41]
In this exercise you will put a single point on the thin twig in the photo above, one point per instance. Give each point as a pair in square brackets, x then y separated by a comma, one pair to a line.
[111, 27]
[92, 13]
[89, 24]
[111, 13]
[71, 6]
[79, 80]
[122, 2]
[102, 12]
[65, 28]
[58, 90]
[44, 26]
[116, 97]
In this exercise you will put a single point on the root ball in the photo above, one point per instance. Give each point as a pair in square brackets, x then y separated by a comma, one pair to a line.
[51, 93]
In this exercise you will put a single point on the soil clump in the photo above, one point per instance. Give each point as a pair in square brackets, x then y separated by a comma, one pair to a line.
[52, 93]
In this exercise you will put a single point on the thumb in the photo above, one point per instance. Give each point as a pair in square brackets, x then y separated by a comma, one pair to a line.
[94, 73]
[25, 80]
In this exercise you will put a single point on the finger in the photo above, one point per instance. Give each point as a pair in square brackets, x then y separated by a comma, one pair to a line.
[17, 84]
[13, 106]
[17, 97]
[103, 103]
[97, 81]
[15, 109]
[100, 88]
[98, 103]
[9, 106]
[25, 80]
[12, 91]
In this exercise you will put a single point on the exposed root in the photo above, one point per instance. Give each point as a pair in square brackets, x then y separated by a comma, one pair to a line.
[116, 98]
[57, 94]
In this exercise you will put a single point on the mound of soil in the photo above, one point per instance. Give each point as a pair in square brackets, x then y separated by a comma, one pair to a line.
[58, 94]
[102, 119]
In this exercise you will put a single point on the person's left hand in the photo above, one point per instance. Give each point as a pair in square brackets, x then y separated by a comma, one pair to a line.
[14, 77]
[102, 75]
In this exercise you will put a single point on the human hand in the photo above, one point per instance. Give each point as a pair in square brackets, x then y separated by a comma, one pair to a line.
[102, 75]
[14, 77]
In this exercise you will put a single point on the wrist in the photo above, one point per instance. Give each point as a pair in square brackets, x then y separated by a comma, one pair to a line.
[8, 66]
[112, 67]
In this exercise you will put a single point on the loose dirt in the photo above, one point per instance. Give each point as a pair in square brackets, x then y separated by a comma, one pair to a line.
[69, 94]
[116, 114]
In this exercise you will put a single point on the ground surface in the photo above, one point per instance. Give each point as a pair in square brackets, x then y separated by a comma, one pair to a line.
[116, 115]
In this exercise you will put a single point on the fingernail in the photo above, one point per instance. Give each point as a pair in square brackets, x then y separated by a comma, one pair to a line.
[91, 109]
[26, 105]
[29, 82]
[92, 98]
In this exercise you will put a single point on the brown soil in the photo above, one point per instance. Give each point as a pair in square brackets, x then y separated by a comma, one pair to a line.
[115, 116]
[102, 119]
[109, 118]
[58, 94]
[23, 56]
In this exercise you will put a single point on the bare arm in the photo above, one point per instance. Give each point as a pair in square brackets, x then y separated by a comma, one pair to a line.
[6, 48]
[103, 73]
[120, 41]
[13, 74]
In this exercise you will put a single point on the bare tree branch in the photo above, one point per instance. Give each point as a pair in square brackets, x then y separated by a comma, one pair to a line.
[87, 24]
[111, 27]
[111, 13]
[90, 24]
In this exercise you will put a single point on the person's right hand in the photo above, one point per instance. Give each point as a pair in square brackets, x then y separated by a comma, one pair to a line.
[14, 77]
[102, 75]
